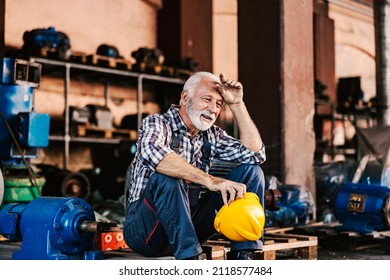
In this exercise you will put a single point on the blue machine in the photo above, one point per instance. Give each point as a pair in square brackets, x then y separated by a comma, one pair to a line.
[22, 131]
[363, 208]
[46, 41]
[19, 78]
[52, 229]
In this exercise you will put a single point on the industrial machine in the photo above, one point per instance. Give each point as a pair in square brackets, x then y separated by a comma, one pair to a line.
[64, 183]
[46, 42]
[363, 208]
[22, 131]
[364, 204]
[53, 228]
[148, 59]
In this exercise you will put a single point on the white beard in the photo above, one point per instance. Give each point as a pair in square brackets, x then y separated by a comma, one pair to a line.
[196, 117]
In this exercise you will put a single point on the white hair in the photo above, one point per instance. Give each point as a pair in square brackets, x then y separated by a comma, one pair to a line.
[193, 81]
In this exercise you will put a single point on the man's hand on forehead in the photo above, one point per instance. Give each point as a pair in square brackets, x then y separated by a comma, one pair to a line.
[230, 90]
[229, 84]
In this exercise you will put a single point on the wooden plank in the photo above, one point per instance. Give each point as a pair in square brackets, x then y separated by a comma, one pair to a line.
[283, 239]
[284, 246]
[110, 62]
[94, 131]
[214, 252]
[297, 236]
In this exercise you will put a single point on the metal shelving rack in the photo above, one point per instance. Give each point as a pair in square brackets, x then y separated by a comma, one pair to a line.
[68, 66]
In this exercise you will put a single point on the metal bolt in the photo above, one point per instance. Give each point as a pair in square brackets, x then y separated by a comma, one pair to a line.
[57, 227]
[64, 208]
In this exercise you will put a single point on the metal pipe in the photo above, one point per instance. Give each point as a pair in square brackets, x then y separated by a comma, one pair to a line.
[97, 227]
[139, 100]
[382, 48]
[66, 117]
[106, 93]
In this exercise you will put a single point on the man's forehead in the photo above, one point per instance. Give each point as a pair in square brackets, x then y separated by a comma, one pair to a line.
[209, 92]
[210, 81]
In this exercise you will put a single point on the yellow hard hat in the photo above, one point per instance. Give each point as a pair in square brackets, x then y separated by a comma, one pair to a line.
[241, 220]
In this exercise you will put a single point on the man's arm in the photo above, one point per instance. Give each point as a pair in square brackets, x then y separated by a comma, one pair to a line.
[175, 166]
[232, 93]
[249, 134]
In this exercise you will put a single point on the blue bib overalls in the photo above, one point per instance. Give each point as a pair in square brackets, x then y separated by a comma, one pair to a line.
[174, 217]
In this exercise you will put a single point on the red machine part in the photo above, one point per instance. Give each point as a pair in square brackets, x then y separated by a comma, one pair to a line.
[106, 241]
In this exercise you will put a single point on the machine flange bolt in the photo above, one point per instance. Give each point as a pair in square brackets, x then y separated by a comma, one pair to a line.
[57, 227]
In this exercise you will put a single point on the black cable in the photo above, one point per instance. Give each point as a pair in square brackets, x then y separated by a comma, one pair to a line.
[32, 177]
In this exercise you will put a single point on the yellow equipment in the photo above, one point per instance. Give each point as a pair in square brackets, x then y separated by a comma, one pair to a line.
[241, 220]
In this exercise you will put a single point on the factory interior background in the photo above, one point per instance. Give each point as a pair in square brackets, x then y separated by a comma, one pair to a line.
[314, 74]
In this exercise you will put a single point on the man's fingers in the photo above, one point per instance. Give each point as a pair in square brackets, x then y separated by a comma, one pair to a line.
[221, 90]
[224, 197]
[240, 193]
[232, 195]
[222, 78]
[231, 192]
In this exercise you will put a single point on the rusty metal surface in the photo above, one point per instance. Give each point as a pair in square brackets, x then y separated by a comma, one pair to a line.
[382, 44]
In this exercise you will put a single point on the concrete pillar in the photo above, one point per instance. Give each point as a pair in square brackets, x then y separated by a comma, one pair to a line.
[225, 41]
[324, 48]
[382, 47]
[196, 32]
[276, 67]
[185, 31]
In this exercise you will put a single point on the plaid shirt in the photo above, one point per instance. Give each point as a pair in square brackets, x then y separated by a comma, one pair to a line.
[154, 143]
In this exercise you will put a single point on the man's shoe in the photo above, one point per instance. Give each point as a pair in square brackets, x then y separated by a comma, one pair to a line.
[240, 255]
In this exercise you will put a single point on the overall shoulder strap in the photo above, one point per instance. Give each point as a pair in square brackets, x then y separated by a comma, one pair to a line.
[175, 144]
[206, 152]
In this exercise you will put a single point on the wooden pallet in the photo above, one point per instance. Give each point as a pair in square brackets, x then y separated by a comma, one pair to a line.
[280, 246]
[93, 131]
[154, 70]
[8, 247]
[110, 62]
[162, 70]
[215, 252]
[329, 235]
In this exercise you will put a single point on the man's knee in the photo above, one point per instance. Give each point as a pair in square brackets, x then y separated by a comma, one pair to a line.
[251, 171]
[164, 183]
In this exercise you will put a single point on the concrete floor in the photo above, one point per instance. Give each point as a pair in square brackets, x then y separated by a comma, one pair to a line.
[333, 245]
[379, 253]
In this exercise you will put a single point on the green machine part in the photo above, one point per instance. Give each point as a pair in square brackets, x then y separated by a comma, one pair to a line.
[20, 188]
